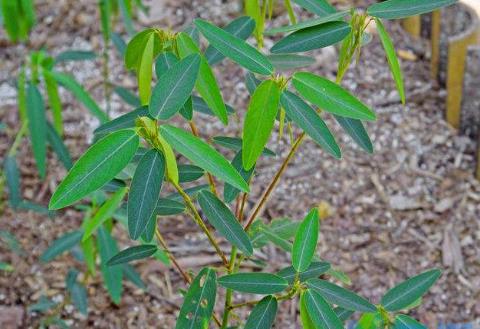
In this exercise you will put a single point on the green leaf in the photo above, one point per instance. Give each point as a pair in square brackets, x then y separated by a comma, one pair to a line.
[407, 292]
[235, 48]
[241, 27]
[305, 241]
[235, 143]
[81, 94]
[313, 271]
[103, 213]
[165, 61]
[22, 94]
[187, 109]
[309, 23]
[403, 321]
[251, 82]
[149, 232]
[58, 146]
[126, 11]
[206, 84]
[263, 314]
[340, 296]
[284, 62]
[230, 192]
[342, 313]
[89, 254]
[54, 100]
[304, 317]
[192, 192]
[127, 96]
[43, 304]
[308, 119]
[170, 160]
[203, 155]
[370, 321]
[37, 123]
[167, 207]
[314, 37]
[220, 216]
[320, 312]
[174, 87]
[75, 55]
[112, 275]
[133, 276]
[197, 308]
[355, 129]
[277, 240]
[144, 191]
[200, 106]
[391, 58]
[78, 293]
[259, 121]
[144, 73]
[12, 176]
[255, 283]
[330, 97]
[189, 173]
[133, 253]
[393, 9]
[59, 246]
[124, 121]
[119, 43]
[136, 46]
[100, 164]
[317, 7]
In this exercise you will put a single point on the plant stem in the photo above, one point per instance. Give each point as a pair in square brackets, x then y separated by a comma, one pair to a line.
[18, 139]
[291, 13]
[211, 181]
[164, 245]
[198, 219]
[274, 182]
[229, 293]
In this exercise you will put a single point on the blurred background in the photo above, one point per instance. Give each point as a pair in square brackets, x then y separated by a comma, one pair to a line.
[412, 205]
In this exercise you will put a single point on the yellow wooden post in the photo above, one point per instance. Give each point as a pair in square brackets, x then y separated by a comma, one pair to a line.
[457, 51]
[435, 43]
[412, 25]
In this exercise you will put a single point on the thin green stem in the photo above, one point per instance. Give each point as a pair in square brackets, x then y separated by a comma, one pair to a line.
[229, 293]
[198, 219]
[291, 13]
[18, 139]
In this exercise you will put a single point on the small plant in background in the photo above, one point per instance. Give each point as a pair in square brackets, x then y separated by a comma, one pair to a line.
[18, 18]
[134, 155]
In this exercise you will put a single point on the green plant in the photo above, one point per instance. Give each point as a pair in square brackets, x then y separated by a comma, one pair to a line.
[134, 154]
[18, 18]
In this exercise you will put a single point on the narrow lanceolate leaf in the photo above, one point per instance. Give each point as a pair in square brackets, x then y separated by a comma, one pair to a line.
[220, 216]
[206, 84]
[284, 62]
[174, 87]
[144, 73]
[61, 245]
[144, 191]
[340, 296]
[255, 283]
[75, 55]
[263, 314]
[309, 23]
[403, 321]
[79, 297]
[355, 129]
[241, 27]
[133, 276]
[305, 242]
[235, 144]
[330, 97]
[197, 308]
[167, 207]
[391, 58]
[304, 317]
[54, 100]
[112, 275]
[124, 121]
[235, 48]
[320, 312]
[133, 253]
[58, 146]
[189, 173]
[407, 292]
[317, 7]
[393, 9]
[136, 46]
[342, 313]
[313, 271]
[170, 160]
[127, 96]
[81, 94]
[203, 155]
[200, 106]
[314, 37]
[100, 164]
[309, 120]
[165, 61]
[251, 82]
[230, 192]
[259, 121]
[12, 176]
[37, 124]
[103, 213]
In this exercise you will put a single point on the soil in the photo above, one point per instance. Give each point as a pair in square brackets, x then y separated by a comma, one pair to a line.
[411, 206]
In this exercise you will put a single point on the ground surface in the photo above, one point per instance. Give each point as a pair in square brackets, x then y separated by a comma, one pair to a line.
[411, 206]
